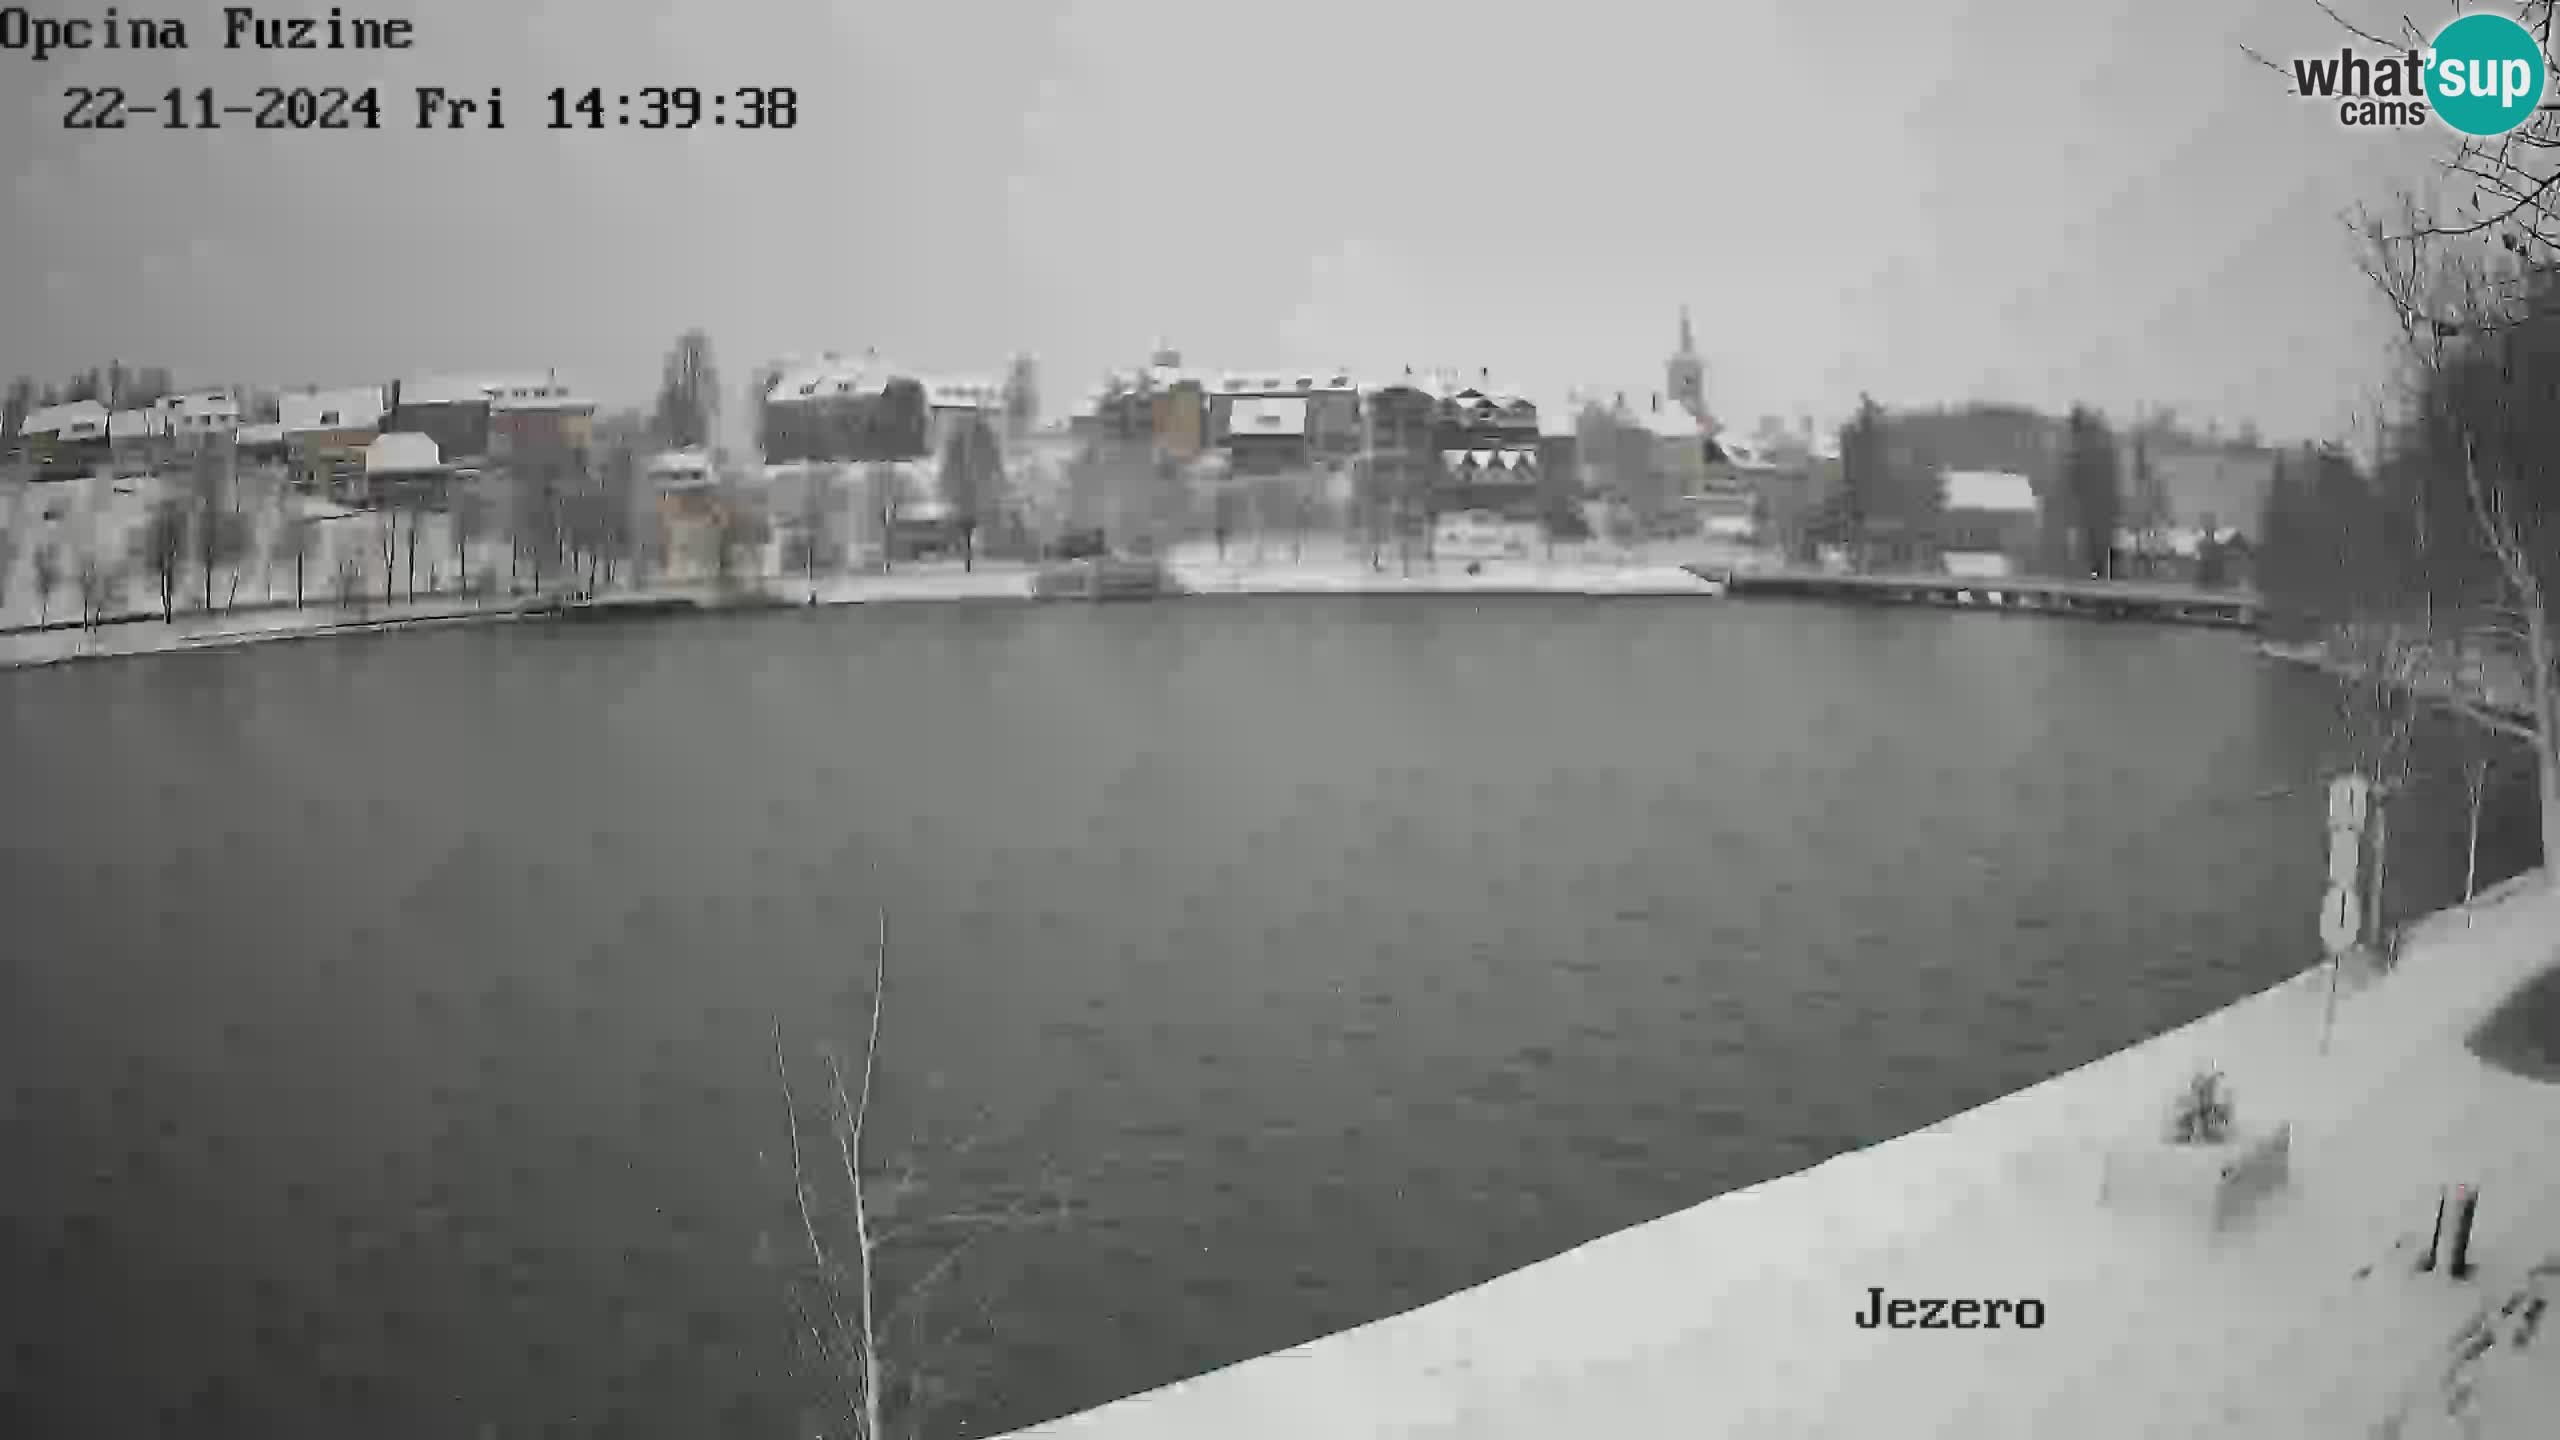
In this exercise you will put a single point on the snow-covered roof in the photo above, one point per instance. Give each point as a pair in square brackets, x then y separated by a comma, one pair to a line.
[1420, 384]
[1505, 458]
[1163, 376]
[200, 405]
[1671, 423]
[1267, 415]
[490, 389]
[537, 398]
[445, 390]
[253, 435]
[401, 451]
[1997, 490]
[58, 419]
[1284, 382]
[358, 407]
[1743, 453]
[678, 467]
[1450, 382]
[828, 375]
[963, 394]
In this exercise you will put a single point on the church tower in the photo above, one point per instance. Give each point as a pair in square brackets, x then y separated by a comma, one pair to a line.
[1685, 375]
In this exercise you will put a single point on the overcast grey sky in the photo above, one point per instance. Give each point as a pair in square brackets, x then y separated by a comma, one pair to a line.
[2044, 200]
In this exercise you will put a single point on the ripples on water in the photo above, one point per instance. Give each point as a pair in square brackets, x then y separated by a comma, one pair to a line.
[397, 1056]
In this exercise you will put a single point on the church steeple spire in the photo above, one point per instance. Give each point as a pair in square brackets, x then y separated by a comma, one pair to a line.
[1685, 374]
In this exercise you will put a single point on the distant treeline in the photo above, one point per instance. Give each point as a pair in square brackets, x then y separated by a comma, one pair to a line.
[2405, 541]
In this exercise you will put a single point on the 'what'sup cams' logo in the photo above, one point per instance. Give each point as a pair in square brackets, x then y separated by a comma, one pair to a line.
[2482, 75]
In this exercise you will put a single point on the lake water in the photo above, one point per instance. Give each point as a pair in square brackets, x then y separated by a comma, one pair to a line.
[391, 1020]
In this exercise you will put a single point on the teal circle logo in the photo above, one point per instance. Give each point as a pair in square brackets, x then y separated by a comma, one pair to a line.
[2485, 74]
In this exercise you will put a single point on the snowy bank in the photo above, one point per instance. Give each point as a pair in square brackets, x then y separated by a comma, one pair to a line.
[1735, 1317]
[904, 585]
[220, 630]
[1508, 577]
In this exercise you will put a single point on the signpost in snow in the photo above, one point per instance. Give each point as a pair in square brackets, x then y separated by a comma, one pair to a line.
[2342, 908]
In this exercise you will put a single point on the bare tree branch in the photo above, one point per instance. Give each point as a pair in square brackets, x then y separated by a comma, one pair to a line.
[891, 1366]
[2354, 29]
[808, 1223]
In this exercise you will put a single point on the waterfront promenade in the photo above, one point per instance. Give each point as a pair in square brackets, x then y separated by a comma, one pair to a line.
[1735, 1317]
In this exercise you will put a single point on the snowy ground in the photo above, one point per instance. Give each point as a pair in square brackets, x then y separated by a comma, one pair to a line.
[1734, 1318]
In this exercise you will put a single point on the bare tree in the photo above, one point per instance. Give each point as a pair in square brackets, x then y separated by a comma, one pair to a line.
[618, 497]
[48, 562]
[866, 1310]
[466, 516]
[2477, 764]
[98, 583]
[540, 472]
[2476, 290]
[972, 476]
[887, 486]
[2486, 339]
[243, 537]
[2382, 676]
[738, 525]
[386, 539]
[291, 542]
[416, 512]
[812, 539]
[350, 583]
[163, 546]
[219, 530]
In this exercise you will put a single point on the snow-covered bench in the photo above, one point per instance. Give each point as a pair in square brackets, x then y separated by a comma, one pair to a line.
[2215, 1182]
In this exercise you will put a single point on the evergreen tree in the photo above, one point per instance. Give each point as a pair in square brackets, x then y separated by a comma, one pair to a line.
[1862, 477]
[688, 394]
[1021, 397]
[972, 474]
[2095, 492]
[20, 402]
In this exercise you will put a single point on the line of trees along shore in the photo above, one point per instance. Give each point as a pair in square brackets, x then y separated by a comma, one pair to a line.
[2442, 558]
[566, 512]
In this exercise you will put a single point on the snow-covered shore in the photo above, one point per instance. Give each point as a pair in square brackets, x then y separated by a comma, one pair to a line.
[1735, 1317]
[1447, 578]
[196, 630]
